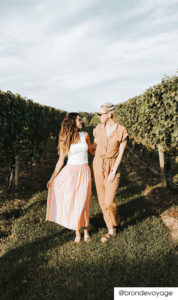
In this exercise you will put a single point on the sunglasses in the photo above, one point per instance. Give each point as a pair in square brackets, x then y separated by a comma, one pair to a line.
[99, 115]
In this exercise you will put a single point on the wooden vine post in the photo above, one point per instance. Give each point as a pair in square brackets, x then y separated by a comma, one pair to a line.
[161, 162]
[16, 170]
[151, 118]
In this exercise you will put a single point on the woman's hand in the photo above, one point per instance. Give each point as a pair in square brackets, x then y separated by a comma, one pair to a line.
[58, 167]
[49, 183]
[94, 146]
[111, 176]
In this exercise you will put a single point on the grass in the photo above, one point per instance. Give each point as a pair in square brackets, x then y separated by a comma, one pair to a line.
[40, 261]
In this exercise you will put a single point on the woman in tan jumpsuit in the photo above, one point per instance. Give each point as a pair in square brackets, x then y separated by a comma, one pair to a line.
[111, 140]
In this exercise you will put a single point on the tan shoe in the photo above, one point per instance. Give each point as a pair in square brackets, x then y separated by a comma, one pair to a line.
[106, 237]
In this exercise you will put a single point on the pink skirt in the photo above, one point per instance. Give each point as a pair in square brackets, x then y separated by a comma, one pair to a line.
[69, 197]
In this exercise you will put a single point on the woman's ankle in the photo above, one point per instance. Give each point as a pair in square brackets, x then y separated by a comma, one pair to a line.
[112, 231]
[77, 233]
[86, 231]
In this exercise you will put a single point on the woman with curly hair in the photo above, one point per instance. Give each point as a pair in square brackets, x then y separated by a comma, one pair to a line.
[69, 191]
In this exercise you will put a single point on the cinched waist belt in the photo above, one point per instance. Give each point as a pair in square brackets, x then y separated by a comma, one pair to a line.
[107, 164]
[105, 157]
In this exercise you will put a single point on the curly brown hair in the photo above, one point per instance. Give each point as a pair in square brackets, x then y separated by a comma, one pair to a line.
[68, 132]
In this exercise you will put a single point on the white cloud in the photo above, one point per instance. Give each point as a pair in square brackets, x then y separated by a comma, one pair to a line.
[78, 54]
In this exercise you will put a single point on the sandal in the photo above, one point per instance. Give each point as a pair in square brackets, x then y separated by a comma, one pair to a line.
[87, 238]
[77, 239]
[106, 237]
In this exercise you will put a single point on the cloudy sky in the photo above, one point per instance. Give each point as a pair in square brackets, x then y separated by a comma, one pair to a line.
[77, 54]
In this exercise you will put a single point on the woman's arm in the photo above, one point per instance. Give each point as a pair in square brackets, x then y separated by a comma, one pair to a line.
[122, 147]
[58, 167]
[120, 155]
[90, 146]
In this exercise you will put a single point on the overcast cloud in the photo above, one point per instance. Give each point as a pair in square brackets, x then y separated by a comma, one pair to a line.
[77, 54]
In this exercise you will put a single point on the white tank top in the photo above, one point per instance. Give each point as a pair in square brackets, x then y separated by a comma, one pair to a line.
[78, 153]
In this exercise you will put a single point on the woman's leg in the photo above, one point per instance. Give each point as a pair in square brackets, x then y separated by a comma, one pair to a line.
[111, 207]
[110, 193]
[86, 235]
[101, 189]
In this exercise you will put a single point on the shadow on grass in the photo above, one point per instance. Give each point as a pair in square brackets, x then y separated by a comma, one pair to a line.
[140, 208]
[135, 211]
[96, 223]
[3, 234]
[16, 262]
[30, 272]
[162, 199]
[155, 201]
[131, 213]
[31, 205]
[15, 213]
[26, 273]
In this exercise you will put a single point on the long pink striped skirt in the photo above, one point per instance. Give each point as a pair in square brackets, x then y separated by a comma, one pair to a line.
[69, 197]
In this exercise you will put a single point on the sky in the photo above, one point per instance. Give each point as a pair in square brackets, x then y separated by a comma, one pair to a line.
[75, 55]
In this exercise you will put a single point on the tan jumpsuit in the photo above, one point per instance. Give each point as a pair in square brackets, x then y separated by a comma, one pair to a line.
[107, 151]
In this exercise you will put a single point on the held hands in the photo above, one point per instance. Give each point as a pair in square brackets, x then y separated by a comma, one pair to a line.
[94, 146]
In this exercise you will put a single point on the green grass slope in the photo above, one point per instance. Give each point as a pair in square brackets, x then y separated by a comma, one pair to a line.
[43, 262]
